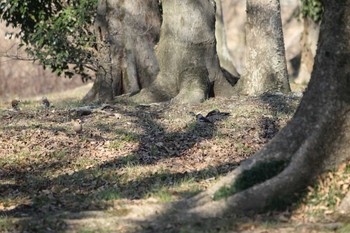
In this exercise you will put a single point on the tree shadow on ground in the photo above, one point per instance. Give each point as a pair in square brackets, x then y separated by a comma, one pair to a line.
[87, 188]
[279, 103]
[269, 127]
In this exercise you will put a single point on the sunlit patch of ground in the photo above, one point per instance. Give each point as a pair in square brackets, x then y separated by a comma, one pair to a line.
[127, 159]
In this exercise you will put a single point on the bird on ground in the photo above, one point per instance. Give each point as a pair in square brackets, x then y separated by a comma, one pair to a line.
[45, 102]
[77, 126]
[15, 104]
[213, 113]
[216, 115]
[200, 118]
[211, 117]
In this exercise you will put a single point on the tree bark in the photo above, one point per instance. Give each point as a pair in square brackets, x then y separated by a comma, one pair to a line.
[126, 33]
[315, 139]
[221, 43]
[266, 69]
[308, 42]
[186, 54]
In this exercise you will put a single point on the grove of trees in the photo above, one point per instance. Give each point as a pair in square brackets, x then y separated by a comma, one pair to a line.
[166, 50]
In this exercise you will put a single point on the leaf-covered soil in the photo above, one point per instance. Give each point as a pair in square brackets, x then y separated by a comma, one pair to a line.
[132, 162]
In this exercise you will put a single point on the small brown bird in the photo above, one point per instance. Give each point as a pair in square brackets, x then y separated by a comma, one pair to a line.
[77, 126]
[15, 104]
[45, 102]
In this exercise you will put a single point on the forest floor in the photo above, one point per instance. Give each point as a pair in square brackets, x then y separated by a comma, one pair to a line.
[132, 162]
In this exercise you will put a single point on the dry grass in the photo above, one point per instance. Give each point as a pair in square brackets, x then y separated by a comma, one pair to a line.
[129, 152]
[132, 159]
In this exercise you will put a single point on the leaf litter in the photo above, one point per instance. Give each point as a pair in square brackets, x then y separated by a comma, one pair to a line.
[126, 154]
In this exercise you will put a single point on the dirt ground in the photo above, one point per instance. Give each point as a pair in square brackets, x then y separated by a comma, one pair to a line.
[132, 163]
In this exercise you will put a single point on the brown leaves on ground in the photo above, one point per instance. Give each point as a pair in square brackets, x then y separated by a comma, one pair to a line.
[325, 196]
[125, 152]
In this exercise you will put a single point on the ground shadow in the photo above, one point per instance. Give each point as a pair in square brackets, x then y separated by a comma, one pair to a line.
[87, 189]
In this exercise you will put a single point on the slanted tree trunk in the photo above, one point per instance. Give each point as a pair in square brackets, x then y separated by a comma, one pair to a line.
[266, 69]
[308, 43]
[126, 33]
[316, 138]
[187, 55]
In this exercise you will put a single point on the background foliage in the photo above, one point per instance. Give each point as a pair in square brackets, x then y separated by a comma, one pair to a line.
[57, 33]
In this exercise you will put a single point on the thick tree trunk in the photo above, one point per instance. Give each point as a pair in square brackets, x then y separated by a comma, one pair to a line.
[221, 43]
[308, 43]
[315, 139]
[187, 55]
[266, 69]
[126, 33]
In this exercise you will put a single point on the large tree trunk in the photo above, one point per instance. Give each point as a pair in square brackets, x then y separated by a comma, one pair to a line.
[221, 43]
[126, 33]
[187, 55]
[315, 139]
[308, 43]
[266, 69]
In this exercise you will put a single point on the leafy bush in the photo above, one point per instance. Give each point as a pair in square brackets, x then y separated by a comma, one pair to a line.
[56, 33]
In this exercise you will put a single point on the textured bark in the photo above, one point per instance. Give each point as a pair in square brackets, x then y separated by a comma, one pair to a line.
[315, 139]
[308, 42]
[266, 69]
[224, 55]
[126, 32]
[186, 54]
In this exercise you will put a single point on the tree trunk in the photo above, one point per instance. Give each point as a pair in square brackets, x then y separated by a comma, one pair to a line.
[315, 139]
[126, 33]
[308, 42]
[221, 43]
[187, 55]
[266, 69]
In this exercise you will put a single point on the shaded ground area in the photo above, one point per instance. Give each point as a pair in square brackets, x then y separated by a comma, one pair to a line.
[130, 162]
